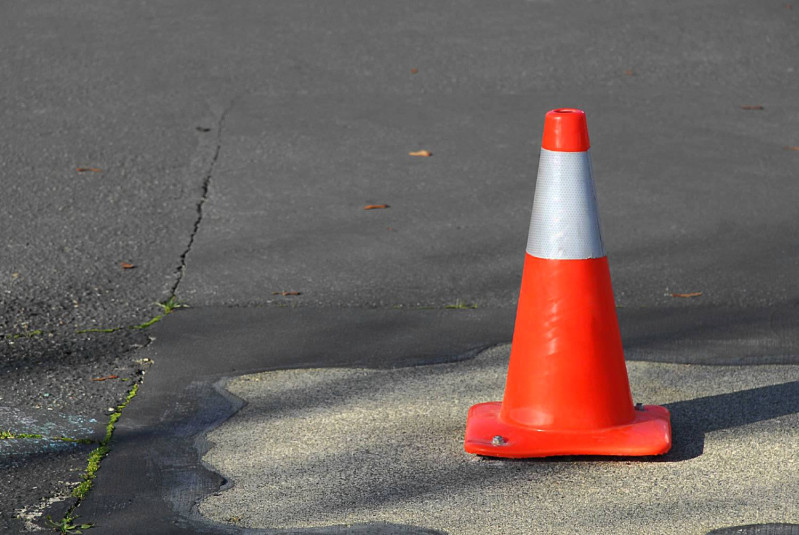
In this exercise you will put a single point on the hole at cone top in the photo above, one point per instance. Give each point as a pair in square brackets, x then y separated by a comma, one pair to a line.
[567, 110]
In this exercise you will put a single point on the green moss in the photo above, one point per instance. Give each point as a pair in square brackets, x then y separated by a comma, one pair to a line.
[168, 306]
[24, 334]
[83, 488]
[131, 395]
[95, 457]
[461, 305]
[6, 434]
[149, 323]
[99, 453]
[111, 330]
[28, 334]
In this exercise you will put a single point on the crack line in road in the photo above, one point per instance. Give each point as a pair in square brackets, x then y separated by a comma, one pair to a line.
[181, 270]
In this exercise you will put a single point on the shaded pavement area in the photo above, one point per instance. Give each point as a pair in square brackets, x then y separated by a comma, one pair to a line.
[326, 447]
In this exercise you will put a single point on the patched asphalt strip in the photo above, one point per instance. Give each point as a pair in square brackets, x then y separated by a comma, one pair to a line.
[315, 448]
[155, 471]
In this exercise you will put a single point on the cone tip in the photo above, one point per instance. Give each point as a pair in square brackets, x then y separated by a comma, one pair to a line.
[565, 130]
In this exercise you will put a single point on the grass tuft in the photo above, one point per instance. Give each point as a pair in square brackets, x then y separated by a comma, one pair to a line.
[67, 525]
[172, 304]
[461, 305]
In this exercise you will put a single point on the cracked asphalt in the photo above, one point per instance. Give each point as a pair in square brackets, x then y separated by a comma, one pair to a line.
[226, 152]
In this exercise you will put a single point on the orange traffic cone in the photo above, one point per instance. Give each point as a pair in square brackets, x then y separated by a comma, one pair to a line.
[567, 391]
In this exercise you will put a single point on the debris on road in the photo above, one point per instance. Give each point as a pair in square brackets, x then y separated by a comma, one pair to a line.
[689, 294]
[375, 206]
[421, 153]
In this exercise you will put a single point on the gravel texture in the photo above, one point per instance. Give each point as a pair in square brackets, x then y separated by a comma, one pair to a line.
[343, 446]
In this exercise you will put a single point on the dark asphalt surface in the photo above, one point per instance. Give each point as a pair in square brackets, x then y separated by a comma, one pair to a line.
[238, 143]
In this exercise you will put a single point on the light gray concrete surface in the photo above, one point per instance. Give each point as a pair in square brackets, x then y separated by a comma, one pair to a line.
[340, 446]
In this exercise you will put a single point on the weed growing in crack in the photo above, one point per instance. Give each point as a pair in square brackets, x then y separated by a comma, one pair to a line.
[97, 455]
[6, 434]
[92, 466]
[168, 306]
[111, 330]
[461, 305]
[24, 334]
[171, 304]
[27, 334]
[67, 525]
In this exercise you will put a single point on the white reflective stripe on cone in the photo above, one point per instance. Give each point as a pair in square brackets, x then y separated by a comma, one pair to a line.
[565, 221]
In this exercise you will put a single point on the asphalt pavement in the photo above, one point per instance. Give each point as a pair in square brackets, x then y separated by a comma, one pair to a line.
[315, 448]
[220, 156]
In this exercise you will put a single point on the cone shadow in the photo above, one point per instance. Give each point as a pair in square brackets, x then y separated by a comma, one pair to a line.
[693, 419]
